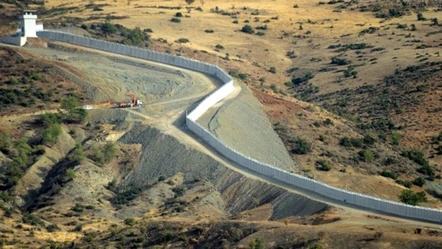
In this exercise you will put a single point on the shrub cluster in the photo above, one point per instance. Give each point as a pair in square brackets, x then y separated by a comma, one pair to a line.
[300, 146]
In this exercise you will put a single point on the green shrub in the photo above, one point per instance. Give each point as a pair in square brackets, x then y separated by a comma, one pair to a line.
[183, 40]
[209, 31]
[299, 80]
[323, 165]
[108, 28]
[129, 222]
[52, 228]
[389, 174]
[366, 155]
[12, 81]
[176, 20]
[259, 33]
[242, 76]
[5, 141]
[74, 112]
[357, 142]
[136, 37]
[396, 138]
[109, 151]
[410, 197]
[178, 14]
[402, 26]
[70, 173]
[415, 156]
[50, 134]
[405, 183]
[272, 70]
[78, 153]
[78, 228]
[78, 208]
[247, 29]
[219, 46]
[419, 181]
[301, 146]
[32, 220]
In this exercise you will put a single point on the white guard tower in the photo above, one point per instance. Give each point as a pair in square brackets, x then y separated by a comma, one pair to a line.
[29, 23]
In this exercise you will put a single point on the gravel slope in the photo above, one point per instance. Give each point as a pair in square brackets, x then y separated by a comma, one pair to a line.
[163, 155]
[107, 76]
[242, 124]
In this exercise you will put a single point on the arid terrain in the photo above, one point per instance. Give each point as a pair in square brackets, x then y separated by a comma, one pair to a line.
[345, 92]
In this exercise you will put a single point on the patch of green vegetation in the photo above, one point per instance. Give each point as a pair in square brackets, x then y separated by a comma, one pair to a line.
[300, 80]
[74, 113]
[339, 61]
[103, 154]
[33, 220]
[350, 72]
[183, 40]
[419, 181]
[135, 37]
[405, 183]
[300, 146]
[410, 197]
[419, 158]
[323, 165]
[357, 142]
[366, 155]
[352, 46]
[129, 222]
[388, 174]
[247, 29]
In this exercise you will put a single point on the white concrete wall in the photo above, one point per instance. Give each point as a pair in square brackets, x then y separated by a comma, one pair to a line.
[39, 27]
[14, 40]
[297, 181]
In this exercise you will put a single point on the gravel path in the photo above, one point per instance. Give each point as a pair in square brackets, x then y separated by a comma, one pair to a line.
[242, 124]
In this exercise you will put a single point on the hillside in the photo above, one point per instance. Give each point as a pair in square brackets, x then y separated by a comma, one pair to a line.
[372, 65]
[352, 89]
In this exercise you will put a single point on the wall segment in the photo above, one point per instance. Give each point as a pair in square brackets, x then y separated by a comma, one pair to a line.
[297, 181]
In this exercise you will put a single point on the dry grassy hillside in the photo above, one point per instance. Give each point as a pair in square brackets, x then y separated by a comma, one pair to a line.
[371, 63]
[352, 88]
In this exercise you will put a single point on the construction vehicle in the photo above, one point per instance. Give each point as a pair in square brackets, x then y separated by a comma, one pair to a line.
[133, 102]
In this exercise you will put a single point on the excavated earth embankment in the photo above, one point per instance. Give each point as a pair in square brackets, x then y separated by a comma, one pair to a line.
[163, 156]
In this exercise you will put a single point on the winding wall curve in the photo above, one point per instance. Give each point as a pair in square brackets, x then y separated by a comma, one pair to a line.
[297, 181]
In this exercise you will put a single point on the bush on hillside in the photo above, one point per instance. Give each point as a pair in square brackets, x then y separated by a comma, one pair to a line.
[410, 197]
[301, 146]
[247, 29]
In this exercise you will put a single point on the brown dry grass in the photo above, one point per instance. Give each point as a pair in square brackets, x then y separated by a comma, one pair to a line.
[254, 55]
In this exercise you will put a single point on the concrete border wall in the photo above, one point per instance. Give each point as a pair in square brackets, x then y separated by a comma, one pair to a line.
[14, 40]
[297, 181]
